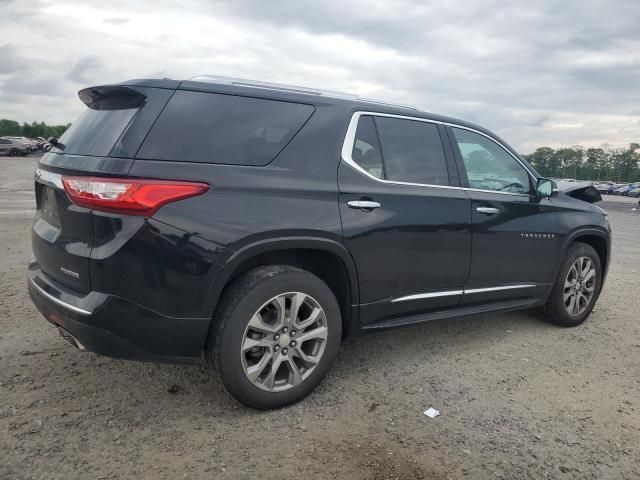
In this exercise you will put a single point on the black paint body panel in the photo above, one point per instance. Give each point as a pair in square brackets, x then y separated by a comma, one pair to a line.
[153, 284]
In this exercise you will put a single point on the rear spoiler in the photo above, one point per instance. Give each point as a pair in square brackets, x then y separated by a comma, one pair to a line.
[111, 97]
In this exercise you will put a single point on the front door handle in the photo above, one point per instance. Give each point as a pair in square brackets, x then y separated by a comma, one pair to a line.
[487, 210]
[363, 204]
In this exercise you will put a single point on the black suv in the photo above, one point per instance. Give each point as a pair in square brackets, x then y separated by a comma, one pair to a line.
[254, 226]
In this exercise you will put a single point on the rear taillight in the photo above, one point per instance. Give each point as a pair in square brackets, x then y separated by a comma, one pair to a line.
[128, 196]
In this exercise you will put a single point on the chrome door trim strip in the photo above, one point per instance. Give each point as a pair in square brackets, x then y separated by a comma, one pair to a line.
[447, 293]
[48, 178]
[66, 305]
[347, 148]
[496, 289]
[419, 296]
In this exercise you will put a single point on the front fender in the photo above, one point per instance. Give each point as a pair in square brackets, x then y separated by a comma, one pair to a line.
[597, 231]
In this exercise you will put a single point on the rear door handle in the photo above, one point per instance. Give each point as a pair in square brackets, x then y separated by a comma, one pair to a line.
[363, 204]
[487, 210]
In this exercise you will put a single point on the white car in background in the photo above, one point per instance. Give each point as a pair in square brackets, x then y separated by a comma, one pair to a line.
[29, 142]
[14, 148]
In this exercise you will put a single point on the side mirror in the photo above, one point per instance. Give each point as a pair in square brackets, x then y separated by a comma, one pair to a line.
[53, 140]
[545, 187]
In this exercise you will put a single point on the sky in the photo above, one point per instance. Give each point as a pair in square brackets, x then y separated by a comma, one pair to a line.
[536, 73]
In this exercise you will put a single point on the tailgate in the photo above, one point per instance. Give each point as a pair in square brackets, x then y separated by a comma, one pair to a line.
[101, 142]
[61, 235]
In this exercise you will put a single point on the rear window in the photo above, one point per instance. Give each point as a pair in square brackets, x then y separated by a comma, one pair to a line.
[227, 129]
[95, 132]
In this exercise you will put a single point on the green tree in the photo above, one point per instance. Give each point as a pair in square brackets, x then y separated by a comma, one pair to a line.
[9, 127]
[31, 130]
[544, 160]
[595, 161]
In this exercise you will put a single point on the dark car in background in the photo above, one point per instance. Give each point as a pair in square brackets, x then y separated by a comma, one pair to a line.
[624, 189]
[254, 226]
[634, 191]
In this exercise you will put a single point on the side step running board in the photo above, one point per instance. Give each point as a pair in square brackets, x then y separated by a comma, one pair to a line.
[497, 307]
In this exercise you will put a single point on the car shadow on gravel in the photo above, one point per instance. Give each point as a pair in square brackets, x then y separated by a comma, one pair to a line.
[140, 385]
[471, 333]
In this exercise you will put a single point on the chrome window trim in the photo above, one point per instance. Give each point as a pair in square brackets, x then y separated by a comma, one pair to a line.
[66, 305]
[349, 140]
[48, 178]
[446, 293]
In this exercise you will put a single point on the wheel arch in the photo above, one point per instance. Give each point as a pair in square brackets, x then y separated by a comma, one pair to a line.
[326, 258]
[596, 238]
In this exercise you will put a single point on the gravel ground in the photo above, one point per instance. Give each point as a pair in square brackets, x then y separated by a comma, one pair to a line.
[518, 398]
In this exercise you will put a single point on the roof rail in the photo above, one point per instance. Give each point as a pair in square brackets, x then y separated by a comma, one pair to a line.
[288, 88]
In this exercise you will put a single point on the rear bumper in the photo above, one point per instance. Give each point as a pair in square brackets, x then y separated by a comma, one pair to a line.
[115, 327]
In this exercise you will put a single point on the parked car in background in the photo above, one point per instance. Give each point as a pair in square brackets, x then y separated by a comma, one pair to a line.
[602, 187]
[12, 147]
[623, 190]
[31, 144]
[634, 192]
[613, 188]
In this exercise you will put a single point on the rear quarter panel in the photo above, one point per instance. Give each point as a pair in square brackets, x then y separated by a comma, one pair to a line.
[295, 195]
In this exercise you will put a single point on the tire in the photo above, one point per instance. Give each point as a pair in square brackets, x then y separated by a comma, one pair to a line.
[257, 294]
[566, 313]
[14, 152]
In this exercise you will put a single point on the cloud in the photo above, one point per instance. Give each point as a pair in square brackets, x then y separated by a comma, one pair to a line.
[10, 60]
[86, 70]
[116, 20]
[519, 69]
[38, 85]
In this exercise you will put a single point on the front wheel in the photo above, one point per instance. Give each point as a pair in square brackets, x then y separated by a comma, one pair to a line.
[279, 329]
[577, 287]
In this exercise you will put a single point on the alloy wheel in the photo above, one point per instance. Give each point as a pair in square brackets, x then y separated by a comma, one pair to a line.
[579, 286]
[284, 341]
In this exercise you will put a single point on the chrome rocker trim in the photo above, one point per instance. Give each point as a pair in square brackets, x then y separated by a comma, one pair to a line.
[446, 293]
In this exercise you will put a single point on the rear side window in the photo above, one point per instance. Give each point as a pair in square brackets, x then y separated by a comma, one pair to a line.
[366, 148]
[226, 129]
[95, 132]
[412, 151]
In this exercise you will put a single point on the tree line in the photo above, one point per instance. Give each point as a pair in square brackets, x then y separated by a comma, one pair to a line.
[604, 163]
[12, 128]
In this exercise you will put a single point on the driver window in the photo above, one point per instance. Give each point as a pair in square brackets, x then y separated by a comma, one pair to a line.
[489, 166]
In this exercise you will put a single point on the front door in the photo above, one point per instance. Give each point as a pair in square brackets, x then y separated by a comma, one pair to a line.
[406, 228]
[514, 242]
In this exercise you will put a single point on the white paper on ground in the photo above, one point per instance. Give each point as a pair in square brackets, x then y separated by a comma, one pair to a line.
[431, 412]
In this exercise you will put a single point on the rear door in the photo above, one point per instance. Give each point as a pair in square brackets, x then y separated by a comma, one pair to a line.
[514, 243]
[62, 233]
[406, 228]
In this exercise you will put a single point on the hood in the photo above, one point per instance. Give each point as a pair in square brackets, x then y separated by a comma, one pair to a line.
[581, 190]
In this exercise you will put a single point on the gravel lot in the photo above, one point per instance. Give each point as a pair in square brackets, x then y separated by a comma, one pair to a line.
[518, 398]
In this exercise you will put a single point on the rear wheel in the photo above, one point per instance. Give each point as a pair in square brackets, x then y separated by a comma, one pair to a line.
[278, 331]
[14, 152]
[577, 287]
